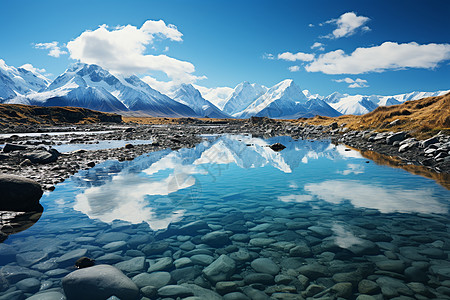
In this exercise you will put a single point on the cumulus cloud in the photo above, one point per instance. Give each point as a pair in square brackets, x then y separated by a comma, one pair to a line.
[347, 25]
[31, 68]
[387, 56]
[353, 83]
[294, 68]
[55, 49]
[296, 56]
[122, 50]
[318, 46]
[268, 56]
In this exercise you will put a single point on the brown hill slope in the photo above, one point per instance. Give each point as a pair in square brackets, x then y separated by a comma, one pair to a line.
[15, 114]
[422, 117]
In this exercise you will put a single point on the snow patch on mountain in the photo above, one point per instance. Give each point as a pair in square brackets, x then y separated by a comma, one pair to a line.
[190, 96]
[243, 95]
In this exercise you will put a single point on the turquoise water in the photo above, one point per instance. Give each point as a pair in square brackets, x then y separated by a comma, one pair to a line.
[311, 204]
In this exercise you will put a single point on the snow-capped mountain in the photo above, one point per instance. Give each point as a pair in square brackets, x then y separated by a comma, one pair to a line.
[92, 87]
[19, 81]
[352, 105]
[190, 96]
[362, 104]
[243, 95]
[286, 100]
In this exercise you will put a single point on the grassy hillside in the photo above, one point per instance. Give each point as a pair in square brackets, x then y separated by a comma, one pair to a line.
[422, 117]
[15, 114]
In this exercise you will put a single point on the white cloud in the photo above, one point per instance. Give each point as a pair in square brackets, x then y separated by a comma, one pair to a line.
[387, 56]
[318, 45]
[31, 68]
[353, 83]
[386, 199]
[216, 96]
[55, 50]
[296, 56]
[164, 87]
[268, 56]
[122, 50]
[294, 68]
[310, 25]
[347, 25]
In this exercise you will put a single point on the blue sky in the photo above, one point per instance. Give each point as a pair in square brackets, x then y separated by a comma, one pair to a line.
[362, 47]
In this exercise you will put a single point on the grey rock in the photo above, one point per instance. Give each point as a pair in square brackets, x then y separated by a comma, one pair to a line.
[442, 271]
[115, 246]
[56, 273]
[48, 295]
[416, 274]
[42, 156]
[193, 227]
[300, 251]
[220, 270]
[396, 266]
[225, 287]
[202, 293]
[155, 248]
[174, 291]
[29, 285]
[396, 137]
[135, 264]
[428, 142]
[342, 289]
[261, 242]
[313, 289]
[15, 295]
[164, 263]
[70, 257]
[19, 193]
[109, 258]
[255, 294]
[149, 291]
[391, 287]
[157, 279]
[13, 147]
[262, 278]
[235, 296]
[368, 287]
[182, 262]
[27, 259]
[265, 265]
[202, 259]
[99, 282]
[313, 271]
[216, 238]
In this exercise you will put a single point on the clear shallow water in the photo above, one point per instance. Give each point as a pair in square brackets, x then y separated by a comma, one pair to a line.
[317, 211]
[36, 134]
[99, 145]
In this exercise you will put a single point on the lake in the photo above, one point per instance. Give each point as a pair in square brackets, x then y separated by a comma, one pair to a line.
[315, 219]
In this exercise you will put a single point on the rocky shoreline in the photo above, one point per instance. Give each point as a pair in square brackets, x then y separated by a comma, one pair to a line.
[34, 157]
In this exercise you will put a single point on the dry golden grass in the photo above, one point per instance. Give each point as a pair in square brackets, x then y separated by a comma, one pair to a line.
[422, 118]
[160, 121]
[14, 114]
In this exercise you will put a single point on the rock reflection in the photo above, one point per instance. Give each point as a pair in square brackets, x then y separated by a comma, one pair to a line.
[12, 222]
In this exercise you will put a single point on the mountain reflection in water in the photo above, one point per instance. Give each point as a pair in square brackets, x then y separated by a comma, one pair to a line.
[161, 187]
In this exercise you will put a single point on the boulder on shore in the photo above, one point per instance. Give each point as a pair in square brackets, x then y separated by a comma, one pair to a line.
[99, 282]
[19, 193]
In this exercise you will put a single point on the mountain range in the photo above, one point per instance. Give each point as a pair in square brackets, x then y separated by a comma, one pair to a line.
[90, 86]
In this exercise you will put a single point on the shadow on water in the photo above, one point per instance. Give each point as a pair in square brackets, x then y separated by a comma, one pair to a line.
[12, 222]
[394, 162]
